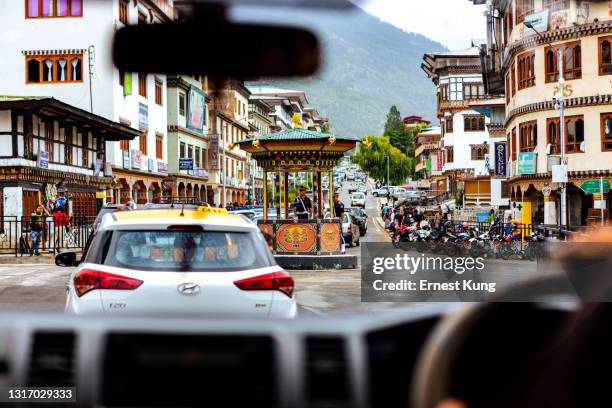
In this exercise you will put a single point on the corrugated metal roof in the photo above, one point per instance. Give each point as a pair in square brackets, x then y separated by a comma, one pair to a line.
[295, 134]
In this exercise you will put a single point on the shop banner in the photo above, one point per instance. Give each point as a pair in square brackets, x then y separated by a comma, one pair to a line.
[127, 83]
[213, 153]
[186, 164]
[440, 161]
[500, 159]
[136, 159]
[195, 110]
[162, 167]
[526, 163]
[150, 165]
[143, 116]
[126, 159]
[43, 159]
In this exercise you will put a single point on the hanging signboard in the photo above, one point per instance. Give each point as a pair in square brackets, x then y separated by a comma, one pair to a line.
[440, 161]
[500, 159]
[43, 159]
[213, 153]
[526, 163]
[593, 186]
[195, 110]
[186, 163]
[143, 116]
[126, 159]
[150, 165]
[162, 167]
[136, 159]
[539, 22]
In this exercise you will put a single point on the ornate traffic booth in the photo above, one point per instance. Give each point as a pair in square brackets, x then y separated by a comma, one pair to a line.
[298, 151]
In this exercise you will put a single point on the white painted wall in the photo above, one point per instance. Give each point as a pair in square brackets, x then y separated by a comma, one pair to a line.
[96, 27]
[13, 201]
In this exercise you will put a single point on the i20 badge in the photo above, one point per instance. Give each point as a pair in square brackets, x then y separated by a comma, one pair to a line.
[189, 289]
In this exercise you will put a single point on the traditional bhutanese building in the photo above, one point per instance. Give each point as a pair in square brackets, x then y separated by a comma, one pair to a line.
[520, 60]
[465, 138]
[50, 149]
[429, 159]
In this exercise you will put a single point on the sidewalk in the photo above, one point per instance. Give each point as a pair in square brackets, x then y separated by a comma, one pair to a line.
[11, 259]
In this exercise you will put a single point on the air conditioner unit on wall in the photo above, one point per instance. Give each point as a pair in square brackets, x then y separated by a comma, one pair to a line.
[552, 161]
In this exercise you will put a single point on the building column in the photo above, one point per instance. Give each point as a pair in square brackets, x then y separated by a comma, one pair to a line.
[550, 209]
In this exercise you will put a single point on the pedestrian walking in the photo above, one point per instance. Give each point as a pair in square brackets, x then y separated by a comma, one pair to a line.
[62, 225]
[36, 227]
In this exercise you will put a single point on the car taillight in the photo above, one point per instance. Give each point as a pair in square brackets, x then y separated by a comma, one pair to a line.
[280, 281]
[349, 228]
[89, 279]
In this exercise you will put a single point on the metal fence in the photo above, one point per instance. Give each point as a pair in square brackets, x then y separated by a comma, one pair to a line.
[19, 236]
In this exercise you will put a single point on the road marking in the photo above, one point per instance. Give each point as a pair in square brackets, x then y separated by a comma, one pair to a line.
[313, 311]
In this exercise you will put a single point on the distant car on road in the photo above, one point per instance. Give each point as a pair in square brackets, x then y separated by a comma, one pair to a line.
[382, 192]
[350, 176]
[361, 218]
[396, 192]
[201, 261]
[358, 200]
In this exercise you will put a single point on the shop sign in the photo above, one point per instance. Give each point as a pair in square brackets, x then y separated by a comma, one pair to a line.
[559, 173]
[143, 116]
[213, 152]
[150, 165]
[526, 163]
[202, 173]
[126, 159]
[594, 187]
[136, 159]
[440, 161]
[186, 163]
[101, 195]
[43, 159]
[500, 159]
[162, 167]
[195, 110]
[539, 22]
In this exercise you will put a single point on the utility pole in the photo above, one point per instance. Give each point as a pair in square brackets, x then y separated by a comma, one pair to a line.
[560, 105]
[388, 179]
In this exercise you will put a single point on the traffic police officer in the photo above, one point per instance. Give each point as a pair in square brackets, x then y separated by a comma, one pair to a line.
[303, 205]
[338, 206]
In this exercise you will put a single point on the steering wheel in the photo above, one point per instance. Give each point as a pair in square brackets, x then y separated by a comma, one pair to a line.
[478, 354]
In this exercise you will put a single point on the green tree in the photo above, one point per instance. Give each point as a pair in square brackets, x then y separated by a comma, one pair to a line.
[372, 157]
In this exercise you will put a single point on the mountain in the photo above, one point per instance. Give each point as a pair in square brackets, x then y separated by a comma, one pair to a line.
[368, 66]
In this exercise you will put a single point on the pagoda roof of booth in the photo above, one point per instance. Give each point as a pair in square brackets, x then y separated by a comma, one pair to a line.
[296, 134]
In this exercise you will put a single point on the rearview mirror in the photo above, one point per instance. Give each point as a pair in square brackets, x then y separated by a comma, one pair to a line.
[236, 50]
[66, 259]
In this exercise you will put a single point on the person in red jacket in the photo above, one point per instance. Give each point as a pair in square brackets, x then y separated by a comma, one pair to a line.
[61, 221]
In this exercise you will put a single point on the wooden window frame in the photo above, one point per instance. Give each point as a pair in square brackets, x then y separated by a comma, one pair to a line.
[142, 17]
[513, 79]
[478, 152]
[142, 143]
[526, 70]
[508, 22]
[575, 146]
[142, 84]
[605, 68]
[474, 123]
[450, 154]
[605, 146]
[182, 103]
[478, 86]
[448, 122]
[570, 148]
[159, 86]
[508, 90]
[124, 145]
[54, 59]
[523, 8]
[159, 146]
[54, 9]
[528, 136]
[575, 72]
[513, 145]
[124, 11]
[198, 157]
[182, 150]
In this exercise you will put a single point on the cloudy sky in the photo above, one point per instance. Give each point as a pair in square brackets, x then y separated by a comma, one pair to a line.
[451, 22]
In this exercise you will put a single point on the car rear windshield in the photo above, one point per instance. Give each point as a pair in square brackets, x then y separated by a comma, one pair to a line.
[187, 251]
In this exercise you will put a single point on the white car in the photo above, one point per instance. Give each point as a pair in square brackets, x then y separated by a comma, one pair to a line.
[204, 261]
[358, 200]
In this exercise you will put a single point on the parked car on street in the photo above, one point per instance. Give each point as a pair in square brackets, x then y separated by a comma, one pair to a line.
[361, 218]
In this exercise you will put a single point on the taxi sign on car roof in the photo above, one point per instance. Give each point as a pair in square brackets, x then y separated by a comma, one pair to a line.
[201, 212]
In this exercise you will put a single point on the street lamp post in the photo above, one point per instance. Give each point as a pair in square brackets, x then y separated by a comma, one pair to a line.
[388, 179]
